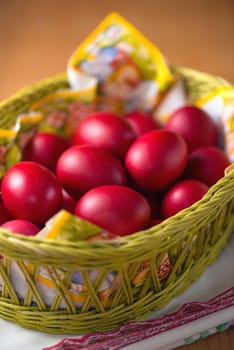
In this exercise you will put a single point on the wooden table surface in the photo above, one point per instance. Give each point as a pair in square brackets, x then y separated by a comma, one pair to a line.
[37, 37]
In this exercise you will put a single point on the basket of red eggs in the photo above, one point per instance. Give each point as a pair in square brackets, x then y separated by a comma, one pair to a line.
[110, 224]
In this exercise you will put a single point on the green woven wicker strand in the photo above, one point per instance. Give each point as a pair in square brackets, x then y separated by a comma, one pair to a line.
[20, 102]
[191, 240]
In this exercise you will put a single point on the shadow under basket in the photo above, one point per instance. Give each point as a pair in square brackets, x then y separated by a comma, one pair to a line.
[147, 269]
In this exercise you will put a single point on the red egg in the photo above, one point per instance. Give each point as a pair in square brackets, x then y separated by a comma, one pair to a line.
[23, 227]
[182, 195]
[81, 168]
[31, 192]
[156, 159]
[106, 130]
[117, 209]
[45, 148]
[207, 164]
[195, 126]
[141, 123]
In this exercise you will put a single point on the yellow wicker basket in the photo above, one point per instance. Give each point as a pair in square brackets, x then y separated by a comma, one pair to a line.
[191, 240]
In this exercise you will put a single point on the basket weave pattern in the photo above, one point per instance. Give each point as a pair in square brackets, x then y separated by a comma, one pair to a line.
[192, 239]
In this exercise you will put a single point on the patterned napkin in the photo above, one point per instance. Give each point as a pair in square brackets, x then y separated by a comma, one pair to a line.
[134, 332]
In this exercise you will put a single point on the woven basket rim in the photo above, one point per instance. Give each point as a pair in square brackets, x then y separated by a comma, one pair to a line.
[24, 90]
[192, 71]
